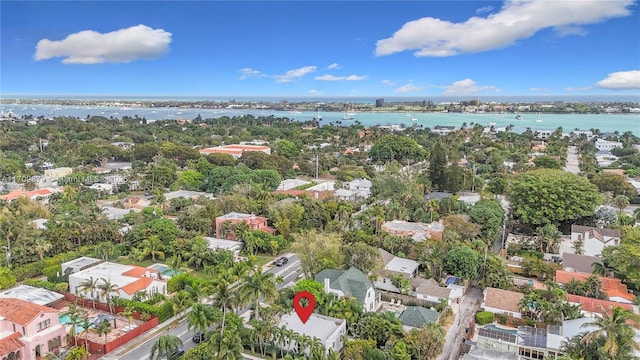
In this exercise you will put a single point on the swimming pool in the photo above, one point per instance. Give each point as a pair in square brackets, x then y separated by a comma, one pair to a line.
[493, 327]
[64, 319]
[164, 270]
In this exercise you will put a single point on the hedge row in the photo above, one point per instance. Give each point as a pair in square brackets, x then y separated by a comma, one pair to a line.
[35, 269]
[162, 312]
[484, 317]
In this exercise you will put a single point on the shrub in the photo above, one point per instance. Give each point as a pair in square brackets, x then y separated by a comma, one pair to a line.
[484, 317]
[502, 319]
[7, 278]
[52, 272]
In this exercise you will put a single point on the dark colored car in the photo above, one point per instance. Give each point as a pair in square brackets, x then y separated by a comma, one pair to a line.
[199, 337]
[281, 261]
[174, 355]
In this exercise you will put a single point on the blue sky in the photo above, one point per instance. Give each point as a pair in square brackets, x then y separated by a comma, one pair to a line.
[324, 48]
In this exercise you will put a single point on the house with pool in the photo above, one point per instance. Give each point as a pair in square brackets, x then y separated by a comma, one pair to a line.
[28, 331]
[129, 279]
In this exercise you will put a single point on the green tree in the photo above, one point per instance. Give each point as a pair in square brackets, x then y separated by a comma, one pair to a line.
[76, 353]
[7, 278]
[437, 167]
[613, 183]
[426, 343]
[617, 330]
[496, 274]
[621, 202]
[259, 284]
[489, 215]
[363, 257]
[318, 251]
[396, 147]
[545, 196]
[164, 346]
[547, 162]
[201, 317]
[103, 328]
[462, 261]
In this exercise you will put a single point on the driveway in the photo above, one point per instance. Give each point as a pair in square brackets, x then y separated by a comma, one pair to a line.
[470, 304]
[572, 164]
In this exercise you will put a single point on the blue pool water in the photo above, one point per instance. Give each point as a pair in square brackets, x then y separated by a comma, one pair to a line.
[493, 327]
[164, 270]
[65, 319]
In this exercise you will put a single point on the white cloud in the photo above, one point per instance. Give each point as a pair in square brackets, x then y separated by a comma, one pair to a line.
[466, 87]
[517, 19]
[388, 82]
[584, 88]
[294, 74]
[329, 77]
[486, 9]
[537, 89]
[333, 66]
[248, 72]
[408, 88]
[315, 92]
[621, 80]
[120, 46]
[570, 30]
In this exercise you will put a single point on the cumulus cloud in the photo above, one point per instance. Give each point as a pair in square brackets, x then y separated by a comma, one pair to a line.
[120, 46]
[248, 72]
[333, 66]
[408, 88]
[621, 80]
[388, 82]
[294, 74]
[315, 92]
[516, 20]
[466, 87]
[329, 77]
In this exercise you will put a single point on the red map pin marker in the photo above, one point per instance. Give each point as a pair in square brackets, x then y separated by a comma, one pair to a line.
[304, 312]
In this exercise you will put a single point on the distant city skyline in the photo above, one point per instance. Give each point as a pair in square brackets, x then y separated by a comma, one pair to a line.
[320, 48]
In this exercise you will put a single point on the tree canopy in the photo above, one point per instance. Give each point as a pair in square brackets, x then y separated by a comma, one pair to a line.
[396, 147]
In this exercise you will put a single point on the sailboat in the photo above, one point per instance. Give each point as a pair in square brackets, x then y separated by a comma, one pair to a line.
[413, 118]
[347, 116]
[319, 117]
[538, 120]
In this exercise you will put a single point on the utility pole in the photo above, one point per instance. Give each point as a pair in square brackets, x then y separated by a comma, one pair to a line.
[317, 167]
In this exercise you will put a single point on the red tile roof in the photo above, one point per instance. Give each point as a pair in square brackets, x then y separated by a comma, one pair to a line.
[138, 271]
[611, 286]
[137, 285]
[596, 305]
[20, 311]
[10, 343]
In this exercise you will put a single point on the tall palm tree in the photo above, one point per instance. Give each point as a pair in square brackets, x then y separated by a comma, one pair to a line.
[228, 344]
[165, 345]
[152, 246]
[181, 302]
[617, 330]
[201, 317]
[106, 289]
[89, 286]
[103, 328]
[259, 284]
[224, 296]
[74, 313]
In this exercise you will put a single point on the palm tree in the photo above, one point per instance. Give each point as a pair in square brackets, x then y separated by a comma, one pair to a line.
[201, 317]
[224, 296]
[259, 284]
[228, 344]
[76, 353]
[165, 345]
[74, 313]
[89, 286]
[103, 328]
[152, 246]
[550, 235]
[181, 302]
[617, 330]
[106, 288]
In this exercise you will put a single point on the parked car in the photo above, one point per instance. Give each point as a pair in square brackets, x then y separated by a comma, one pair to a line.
[199, 337]
[174, 355]
[282, 261]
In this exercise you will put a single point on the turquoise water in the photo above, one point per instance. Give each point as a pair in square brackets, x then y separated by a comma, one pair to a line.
[65, 319]
[493, 327]
[164, 270]
[569, 122]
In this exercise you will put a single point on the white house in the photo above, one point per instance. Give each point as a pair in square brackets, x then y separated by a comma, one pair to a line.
[606, 145]
[362, 187]
[353, 283]
[128, 278]
[500, 301]
[345, 194]
[392, 266]
[594, 240]
[443, 129]
[224, 244]
[328, 330]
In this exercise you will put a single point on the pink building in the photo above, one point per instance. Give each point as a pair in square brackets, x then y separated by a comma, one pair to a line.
[254, 222]
[28, 331]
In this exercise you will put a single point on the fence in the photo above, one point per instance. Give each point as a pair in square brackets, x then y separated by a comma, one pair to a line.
[408, 300]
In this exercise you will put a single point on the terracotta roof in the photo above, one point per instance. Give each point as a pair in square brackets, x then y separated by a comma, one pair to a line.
[20, 311]
[503, 299]
[596, 305]
[611, 286]
[139, 271]
[137, 285]
[10, 343]
[20, 193]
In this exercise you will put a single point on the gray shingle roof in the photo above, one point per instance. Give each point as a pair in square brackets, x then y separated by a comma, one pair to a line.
[418, 316]
[352, 282]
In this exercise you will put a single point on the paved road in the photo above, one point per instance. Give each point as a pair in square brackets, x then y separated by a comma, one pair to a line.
[572, 164]
[289, 272]
[470, 304]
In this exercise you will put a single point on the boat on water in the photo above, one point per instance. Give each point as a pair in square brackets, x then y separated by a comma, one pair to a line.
[346, 116]
[518, 117]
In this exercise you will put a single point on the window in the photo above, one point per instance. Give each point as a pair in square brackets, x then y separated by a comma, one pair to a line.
[44, 325]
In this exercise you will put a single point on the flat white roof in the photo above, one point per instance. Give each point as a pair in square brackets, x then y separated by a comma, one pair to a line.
[110, 271]
[79, 263]
[32, 294]
[325, 186]
[402, 265]
[288, 184]
[318, 326]
[216, 243]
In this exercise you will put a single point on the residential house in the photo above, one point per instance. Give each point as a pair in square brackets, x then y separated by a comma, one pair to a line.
[416, 317]
[123, 145]
[103, 188]
[78, 264]
[362, 187]
[613, 288]
[392, 266]
[42, 195]
[443, 130]
[109, 167]
[593, 239]
[254, 222]
[328, 330]
[345, 195]
[437, 195]
[605, 158]
[290, 184]
[434, 293]
[193, 195]
[136, 202]
[224, 244]
[606, 145]
[543, 134]
[114, 213]
[34, 295]
[500, 301]
[235, 150]
[595, 307]
[29, 331]
[56, 174]
[353, 283]
[579, 263]
[416, 230]
[129, 279]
